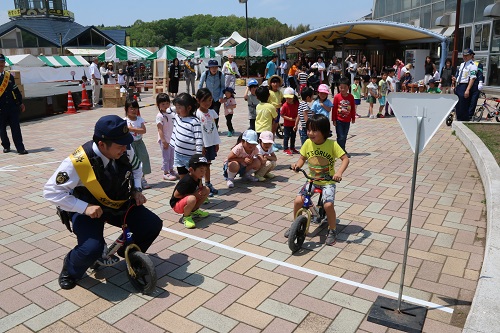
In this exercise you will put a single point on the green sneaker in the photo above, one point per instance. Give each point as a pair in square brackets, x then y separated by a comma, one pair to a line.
[200, 213]
[188, 222]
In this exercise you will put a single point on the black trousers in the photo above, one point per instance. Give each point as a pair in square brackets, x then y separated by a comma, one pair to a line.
[143, 223]
[216, 107]
[10, 116]
[229, 122]
[463, 104]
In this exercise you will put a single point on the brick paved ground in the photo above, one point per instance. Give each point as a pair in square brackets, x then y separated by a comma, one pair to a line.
[204, 288]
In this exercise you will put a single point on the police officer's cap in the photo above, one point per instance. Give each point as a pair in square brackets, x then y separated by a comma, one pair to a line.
[113, 128]
[2, 58]
[468, 52]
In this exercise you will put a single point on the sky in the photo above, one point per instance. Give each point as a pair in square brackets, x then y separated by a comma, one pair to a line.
[291, 12]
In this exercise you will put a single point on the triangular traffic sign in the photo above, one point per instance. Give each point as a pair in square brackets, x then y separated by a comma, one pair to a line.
[433, 108]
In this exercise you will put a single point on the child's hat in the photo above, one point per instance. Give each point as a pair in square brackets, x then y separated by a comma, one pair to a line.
[289, 92]
[196, 160]
[432, 81]
[250, 136]
[275, 77]
[323, 88]
[252, 82]
[230, 89]
[266, 137]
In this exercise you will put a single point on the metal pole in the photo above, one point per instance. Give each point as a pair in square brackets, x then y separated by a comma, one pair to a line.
[454, 59]
[410, 211]
[248, 41]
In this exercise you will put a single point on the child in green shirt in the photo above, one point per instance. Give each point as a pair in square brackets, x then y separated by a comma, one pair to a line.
[433, 89]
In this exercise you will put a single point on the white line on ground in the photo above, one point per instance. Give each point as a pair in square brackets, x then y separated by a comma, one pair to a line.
[13, 168]
[413, 300]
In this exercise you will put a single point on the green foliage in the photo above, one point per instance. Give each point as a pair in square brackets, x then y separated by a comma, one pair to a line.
[195, 31]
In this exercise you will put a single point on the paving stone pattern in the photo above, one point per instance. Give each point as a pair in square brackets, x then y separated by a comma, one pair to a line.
[203, 288]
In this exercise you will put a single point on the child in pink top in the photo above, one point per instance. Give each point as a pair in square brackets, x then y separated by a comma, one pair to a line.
[165, 126]
[242, 159]
[229, 105]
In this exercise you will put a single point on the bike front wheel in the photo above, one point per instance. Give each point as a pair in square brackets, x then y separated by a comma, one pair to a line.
[449, 119]
[145, 274]
[478, 115]
[297, 234]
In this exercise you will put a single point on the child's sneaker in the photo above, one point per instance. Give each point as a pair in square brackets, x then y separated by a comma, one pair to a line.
[200, 213]
[144, 184]
[212, 189]
[174, 173]
[251, 178]
[269, 175]
[169, 176]
[357, 115]
[380, 115]
[331, 238]
[229, 134]
[295, 151]
[287, 152]
[188, 222]
[230, 183]
[260, 178]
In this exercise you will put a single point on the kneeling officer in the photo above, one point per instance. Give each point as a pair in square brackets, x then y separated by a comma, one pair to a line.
[101, 173]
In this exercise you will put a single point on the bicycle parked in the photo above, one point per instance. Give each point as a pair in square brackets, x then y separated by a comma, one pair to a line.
[492, 111]
[300, 226]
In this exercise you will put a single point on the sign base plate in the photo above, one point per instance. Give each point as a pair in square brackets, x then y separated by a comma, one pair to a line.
[410, 319]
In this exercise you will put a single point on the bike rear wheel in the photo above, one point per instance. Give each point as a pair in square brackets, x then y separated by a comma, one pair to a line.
[478, 115]
[297, 234]
[497, 118]
[145, 274]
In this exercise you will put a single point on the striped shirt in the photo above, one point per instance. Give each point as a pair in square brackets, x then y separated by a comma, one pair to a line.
[304, 107]
[187, 139]
[302, 78]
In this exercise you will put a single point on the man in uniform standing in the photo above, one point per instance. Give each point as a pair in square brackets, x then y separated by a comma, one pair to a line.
[11, 102]
[102, 173]
[464, 81]
[95, 81]
[189, 75]
[230, 70]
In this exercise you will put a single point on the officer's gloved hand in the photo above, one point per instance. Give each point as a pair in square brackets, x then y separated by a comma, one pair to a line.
[480, 85]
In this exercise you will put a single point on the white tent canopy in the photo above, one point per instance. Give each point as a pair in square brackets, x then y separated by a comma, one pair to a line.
[25, 60]
[232, 40]
[255, 50]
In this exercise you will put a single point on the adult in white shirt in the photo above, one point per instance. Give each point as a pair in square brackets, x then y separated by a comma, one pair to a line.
[352, 66]
[111, 74]
[230, 70]
[95, 81]
[321, 67]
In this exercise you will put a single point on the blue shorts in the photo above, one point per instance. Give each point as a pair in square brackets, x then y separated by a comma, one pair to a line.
[277, 120]
[381, 100]
[328, 191]
[210, 153]
[241, 172]
[357, 101]
[181, 162]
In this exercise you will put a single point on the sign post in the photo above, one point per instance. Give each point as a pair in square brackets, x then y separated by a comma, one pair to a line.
[420, 116]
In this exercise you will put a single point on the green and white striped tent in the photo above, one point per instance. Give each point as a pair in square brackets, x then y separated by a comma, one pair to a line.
[171, 52]
[64, 61]
[205, 53]
[119, 53]
[256, 50]
[23, 60]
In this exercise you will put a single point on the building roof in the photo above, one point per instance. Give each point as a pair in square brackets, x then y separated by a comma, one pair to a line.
[360, 31]
[117, 35]
[51, 29]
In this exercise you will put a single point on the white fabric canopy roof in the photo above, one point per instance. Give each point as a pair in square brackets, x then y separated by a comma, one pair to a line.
[26, 60]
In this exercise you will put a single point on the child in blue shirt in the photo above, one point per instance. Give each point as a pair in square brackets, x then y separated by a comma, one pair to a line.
[322, 105]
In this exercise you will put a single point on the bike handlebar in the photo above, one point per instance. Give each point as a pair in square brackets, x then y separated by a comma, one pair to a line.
[327, 178]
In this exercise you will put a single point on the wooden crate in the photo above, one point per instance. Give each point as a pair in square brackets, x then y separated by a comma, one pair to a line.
[111, 91]
[21, 89]
[114, 102]
[241, 82]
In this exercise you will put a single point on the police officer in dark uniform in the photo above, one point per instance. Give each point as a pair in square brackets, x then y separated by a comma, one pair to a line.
[466, 75]
[110, 160]
[11, 102]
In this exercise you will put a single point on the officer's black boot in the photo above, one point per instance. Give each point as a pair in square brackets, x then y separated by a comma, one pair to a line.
[65, 280]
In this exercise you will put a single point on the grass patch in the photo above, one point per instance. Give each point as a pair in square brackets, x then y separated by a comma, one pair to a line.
[489, 134]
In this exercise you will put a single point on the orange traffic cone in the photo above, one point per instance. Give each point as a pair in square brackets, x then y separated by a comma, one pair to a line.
[138, 111]
[71, 105]
[85, 104]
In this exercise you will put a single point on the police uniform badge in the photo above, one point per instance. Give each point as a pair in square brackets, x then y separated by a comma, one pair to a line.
[62, 177]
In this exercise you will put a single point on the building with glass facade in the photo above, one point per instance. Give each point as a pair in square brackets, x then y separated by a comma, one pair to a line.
[479, 26]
